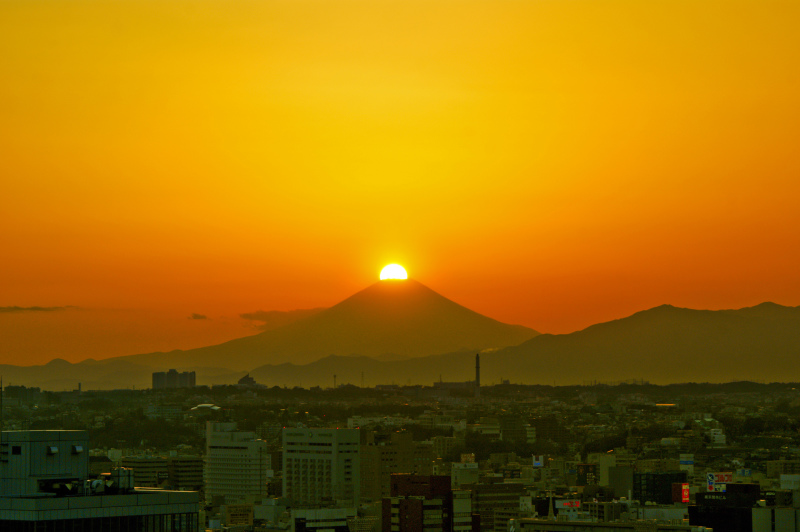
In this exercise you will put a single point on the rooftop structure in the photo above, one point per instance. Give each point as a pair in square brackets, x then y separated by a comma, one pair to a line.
[44, 483]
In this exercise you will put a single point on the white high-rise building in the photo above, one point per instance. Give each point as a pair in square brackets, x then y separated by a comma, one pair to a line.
[236, 463]
[321, 466]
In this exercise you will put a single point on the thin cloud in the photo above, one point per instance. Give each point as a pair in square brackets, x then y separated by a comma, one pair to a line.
[36, 309]
[196, 316]
[272, 319]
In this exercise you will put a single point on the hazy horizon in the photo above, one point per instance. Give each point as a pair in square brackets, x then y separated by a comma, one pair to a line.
[37, 336]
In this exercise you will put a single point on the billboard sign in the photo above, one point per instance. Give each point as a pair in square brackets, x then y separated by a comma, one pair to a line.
[687, 462]
[717, 482]
[723, 478]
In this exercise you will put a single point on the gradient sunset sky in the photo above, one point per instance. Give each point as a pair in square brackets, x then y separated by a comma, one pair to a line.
[552, 163]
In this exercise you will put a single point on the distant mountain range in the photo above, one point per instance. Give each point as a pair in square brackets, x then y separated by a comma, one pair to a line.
[404, 333]
[389, 319]
[662, 345]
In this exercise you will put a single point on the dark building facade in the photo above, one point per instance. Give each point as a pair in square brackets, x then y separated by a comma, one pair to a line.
[173, 379]
[492, 499]
[656, 487]
[731, 511]
[426, 503]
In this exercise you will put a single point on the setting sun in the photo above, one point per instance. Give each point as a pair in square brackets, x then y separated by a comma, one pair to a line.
[393, 271]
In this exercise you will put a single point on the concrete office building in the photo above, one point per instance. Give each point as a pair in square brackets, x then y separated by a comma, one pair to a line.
[464, 473]
[44, 487]
[322, 466]
[175, 472]
[426, 503]
[148, 471]
[492, 497]
[321, 519]
[185, 473]
[401, 454]
[237, 464]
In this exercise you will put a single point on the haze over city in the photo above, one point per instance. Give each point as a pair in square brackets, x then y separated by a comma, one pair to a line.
[173, 172]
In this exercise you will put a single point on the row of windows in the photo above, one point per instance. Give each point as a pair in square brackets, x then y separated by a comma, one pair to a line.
[133, 523]
[16, 450]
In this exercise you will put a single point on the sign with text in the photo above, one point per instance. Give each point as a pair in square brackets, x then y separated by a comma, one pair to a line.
[717, 482]
[723, 478]
[239, 514]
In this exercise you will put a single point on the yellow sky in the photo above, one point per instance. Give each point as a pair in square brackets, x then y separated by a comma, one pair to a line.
[553, 163]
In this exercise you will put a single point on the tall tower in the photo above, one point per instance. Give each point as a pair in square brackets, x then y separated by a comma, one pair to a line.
[477, 375]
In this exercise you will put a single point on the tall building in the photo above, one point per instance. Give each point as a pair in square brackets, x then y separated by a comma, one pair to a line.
[322, 466]
[173, 379]
[493, 499]
[426, 503]
[478, 376]
[236, 463]
[44, 486]
[401, 454]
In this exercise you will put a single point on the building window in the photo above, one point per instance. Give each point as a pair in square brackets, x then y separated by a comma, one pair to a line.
[16, 449]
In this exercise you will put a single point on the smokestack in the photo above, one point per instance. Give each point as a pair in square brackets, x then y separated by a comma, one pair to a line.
[477, 375]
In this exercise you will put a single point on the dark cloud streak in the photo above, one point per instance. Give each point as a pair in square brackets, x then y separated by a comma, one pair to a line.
[36, 309]
[272, 319]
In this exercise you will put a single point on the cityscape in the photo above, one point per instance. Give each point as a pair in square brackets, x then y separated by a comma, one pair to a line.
[445, 456]
[399, 266]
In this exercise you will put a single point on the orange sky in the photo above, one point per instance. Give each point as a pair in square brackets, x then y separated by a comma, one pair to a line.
[549, 163]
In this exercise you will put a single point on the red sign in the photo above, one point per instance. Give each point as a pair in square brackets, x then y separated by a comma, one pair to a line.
[684, 492]
[568, 503]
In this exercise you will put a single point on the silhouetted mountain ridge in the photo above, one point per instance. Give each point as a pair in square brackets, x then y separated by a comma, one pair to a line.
[670, 344]
[665, 344]
[386, 319]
